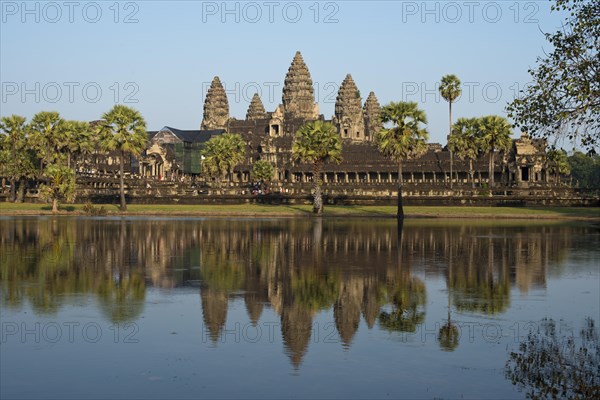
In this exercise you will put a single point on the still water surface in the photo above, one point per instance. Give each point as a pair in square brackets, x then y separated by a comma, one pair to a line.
[271, 308]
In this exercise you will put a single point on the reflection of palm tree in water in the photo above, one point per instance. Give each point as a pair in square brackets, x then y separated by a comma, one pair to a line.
[122, 293]
[407, 295]
[449, 336]
[478, 286]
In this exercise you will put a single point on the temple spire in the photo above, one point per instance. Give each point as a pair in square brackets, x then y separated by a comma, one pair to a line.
[256, 109]
[371, 110]
[298, 92]
[348, 111]
[216, 107]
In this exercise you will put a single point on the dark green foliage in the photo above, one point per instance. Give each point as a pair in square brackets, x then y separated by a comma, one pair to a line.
[585, 170]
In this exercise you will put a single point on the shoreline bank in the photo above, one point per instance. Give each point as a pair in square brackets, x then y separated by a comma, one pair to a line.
[303, 211]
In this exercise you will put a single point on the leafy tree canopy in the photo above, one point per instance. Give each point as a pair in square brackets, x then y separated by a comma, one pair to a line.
[564, 99]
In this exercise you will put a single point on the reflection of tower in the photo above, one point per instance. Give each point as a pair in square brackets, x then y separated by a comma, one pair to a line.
[254, 307]
[370, 302]
[214, 311]
[530, 261]
[296, 328]
[346, 310]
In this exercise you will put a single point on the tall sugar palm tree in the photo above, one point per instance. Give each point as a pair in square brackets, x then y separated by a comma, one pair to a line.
[495, 136]
[450, 91]
[464, 141]
[124, 130]
[48, 137]
[406, 138]
[317, 142]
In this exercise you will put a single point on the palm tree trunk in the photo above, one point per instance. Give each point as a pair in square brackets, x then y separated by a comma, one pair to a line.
[451, 161]
[55, 205]
[21, 192]
[122, 182]
[491, 169]
[13, 189]
[318, 199]
[400, 214]
[472, 173]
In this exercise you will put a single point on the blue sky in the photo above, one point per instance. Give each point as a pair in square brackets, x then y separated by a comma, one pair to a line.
[80, 58]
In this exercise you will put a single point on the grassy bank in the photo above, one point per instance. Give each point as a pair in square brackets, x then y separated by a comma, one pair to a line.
[305, 210]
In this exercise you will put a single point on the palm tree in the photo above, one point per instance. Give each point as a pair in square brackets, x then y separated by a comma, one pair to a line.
[14, 153]
[262, 171]
[405, 140]
[80, 141]
[124, 130]
[450, 91]
[558, 163]
[221, 153]
[495, 135]
[464, 141]
[48, 137]
[317, 142]
[60, 184]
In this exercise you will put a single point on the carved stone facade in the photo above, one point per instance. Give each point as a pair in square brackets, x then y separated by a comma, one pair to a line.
[349, 118]
[216, 107]
[528, 161]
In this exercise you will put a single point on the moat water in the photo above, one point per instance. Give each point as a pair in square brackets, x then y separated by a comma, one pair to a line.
[278, 308]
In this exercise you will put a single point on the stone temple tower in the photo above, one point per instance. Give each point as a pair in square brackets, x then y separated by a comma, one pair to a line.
[256, 109]
[298, 92]
[348, 117]
[371, 112]
[216, 107]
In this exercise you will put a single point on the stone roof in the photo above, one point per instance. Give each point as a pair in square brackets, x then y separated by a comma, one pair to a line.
[193, 136]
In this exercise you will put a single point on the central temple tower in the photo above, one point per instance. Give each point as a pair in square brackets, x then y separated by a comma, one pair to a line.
[298, 92]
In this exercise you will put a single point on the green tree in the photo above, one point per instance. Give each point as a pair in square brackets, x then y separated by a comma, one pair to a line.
[81, 141]
[221, 154]
[60, 184]
[318, 143]
[495, 136]
[406, 139]
[15, 157]
[564, 99]
[450, 91]
[124, 130]
[464, 142]
[558, 163]
[48, 137]
[585, 170]
[262, 171]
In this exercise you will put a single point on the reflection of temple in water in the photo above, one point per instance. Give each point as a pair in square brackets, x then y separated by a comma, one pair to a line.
[353, 270]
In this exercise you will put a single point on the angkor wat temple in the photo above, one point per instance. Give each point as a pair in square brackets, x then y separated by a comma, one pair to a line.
[269, 136]
[173, 155]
